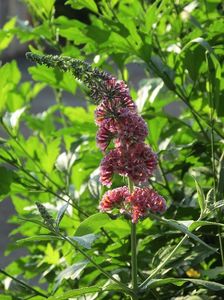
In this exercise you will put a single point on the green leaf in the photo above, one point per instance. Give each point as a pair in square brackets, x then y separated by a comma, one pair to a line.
[65, 161]
[11, 120]
[150, 16]
[210, 197]
[221, 177]
[200, 41]
[10, 77]
[61, 213]
[94, 184]
[201, 197]
[131, 26]
[4, 297]
[72, 272]
[213, 273]
[215, 78]
[182, 228]
[197, 224]
[156, 126]
[54, 78]
[216, 205]
[74, 293]
[118, 227]
[214, 286]
[6, 179]
[79, 4]
[49, 156]
[85, 240]
[85, 291]
[119, 43]
[51, 255]
[193, 61]
[46, 6]
[37, 238]
[34, 221]
[92, 224]
[6, 35]
[152, 13]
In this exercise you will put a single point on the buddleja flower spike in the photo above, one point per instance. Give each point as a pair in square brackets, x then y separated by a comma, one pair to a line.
[119, 124]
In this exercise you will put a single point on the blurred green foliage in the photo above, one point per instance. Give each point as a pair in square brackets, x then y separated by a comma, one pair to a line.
[51, 157]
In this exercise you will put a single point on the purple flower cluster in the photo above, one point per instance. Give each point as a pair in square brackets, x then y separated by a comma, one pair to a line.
[119, 124]
[135, 204]
[136, 162]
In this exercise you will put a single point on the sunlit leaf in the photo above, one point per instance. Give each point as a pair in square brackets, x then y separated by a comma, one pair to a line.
[77, 4]
[92, 224]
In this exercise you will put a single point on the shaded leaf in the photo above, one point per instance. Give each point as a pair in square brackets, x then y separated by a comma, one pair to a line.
[201, 197]
[85, 240]
[197, 224]
[213, 273]
[7, 178]
[221, 177]
[180, 281]
[85, 291]
[37, 238]
[183, 229]
[72, 272]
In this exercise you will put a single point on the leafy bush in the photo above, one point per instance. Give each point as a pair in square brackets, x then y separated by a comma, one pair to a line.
[73, 251]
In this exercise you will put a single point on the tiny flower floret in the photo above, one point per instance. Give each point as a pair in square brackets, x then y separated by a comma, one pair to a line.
[114, 198]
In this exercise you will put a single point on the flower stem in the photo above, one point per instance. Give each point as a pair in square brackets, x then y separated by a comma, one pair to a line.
[221, 246]
[134, 265]
[134, 269]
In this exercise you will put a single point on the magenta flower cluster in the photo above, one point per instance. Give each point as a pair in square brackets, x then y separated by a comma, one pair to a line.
[120, 137]
[135, 204]
[122, 127]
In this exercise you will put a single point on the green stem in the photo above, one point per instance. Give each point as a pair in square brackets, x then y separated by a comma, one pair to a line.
[221, 246]
[24, 284]
[134, 265]
[134, 269]
[212, 121]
